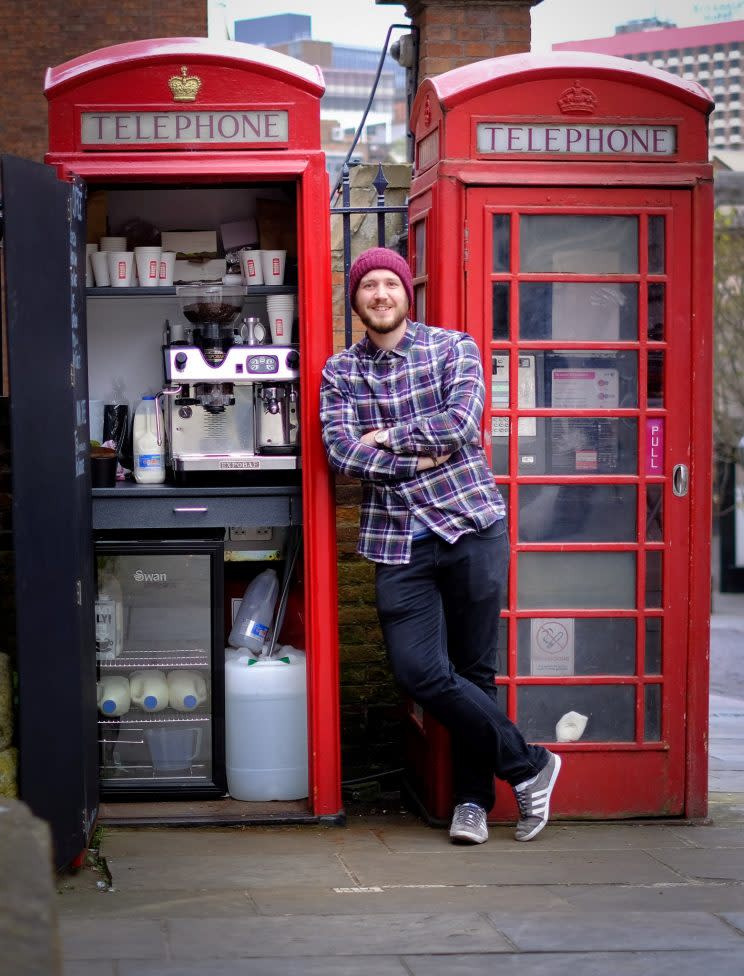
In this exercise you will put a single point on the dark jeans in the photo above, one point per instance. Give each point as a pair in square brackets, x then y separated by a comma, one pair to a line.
[440, 618]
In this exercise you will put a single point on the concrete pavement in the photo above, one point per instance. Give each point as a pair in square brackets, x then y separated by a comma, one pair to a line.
[388, 896]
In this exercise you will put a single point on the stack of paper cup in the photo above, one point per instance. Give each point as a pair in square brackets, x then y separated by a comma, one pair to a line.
[250, 267]
[280, 309]
[167, 264]
[121, 268]
[89, 276]
[147, 260]
[272, 263]
[113, 243]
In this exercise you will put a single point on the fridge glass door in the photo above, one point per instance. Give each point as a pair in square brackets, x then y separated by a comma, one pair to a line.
[154, 636]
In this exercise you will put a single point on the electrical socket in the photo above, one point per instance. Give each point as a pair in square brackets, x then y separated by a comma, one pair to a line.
[250, 533]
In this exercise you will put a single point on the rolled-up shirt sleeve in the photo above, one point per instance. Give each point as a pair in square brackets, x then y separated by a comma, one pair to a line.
[341, 432]
[458, 424]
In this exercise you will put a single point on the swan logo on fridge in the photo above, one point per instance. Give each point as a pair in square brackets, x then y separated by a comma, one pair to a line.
[142, 577]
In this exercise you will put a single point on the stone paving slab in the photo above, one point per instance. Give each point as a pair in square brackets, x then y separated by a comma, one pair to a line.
[323, 935]
[529, 865]
[83, 938]
[224, 871]
[707, 864]
[159, 904]
[727, 963]
[326, 966]
[237, 841]
[710, 836]
[79, 967]
[382, 900]
[619, 932]
[558, 837]
[714, 897]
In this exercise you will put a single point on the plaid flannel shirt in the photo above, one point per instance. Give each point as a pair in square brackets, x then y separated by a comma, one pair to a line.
[429, 393]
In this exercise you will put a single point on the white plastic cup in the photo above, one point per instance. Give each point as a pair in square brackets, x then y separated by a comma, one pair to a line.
[89, 278]
[147, 260]
[165, 272]
[273, 263]
[99, 263]
[121, 268]
[251, 268]
[280, 309]
[113, 243]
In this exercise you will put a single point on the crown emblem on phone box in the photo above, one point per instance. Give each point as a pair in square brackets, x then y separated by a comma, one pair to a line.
[578, 99]
[185, 86]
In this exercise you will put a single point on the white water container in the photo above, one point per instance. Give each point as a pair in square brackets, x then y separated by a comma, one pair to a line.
[148, 443]
[256, 611]
[113, 695]
[186, 690]
[266, 726]
[149, 690]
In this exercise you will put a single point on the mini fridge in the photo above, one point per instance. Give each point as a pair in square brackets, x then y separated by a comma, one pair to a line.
[160, 667]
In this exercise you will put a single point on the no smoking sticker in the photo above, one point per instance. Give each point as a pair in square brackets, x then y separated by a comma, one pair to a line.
[552, 646]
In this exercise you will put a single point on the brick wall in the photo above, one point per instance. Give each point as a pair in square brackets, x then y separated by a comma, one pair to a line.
[457, 32]
[37, 35]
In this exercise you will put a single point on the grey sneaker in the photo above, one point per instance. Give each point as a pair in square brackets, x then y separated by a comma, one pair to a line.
[469, 824]
[534, 800]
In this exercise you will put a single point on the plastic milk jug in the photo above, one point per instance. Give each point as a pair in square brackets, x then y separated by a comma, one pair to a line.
[251, 627]
[113, 695]
[109, 617]
[149, 455]
[149, 690]
[186, 690]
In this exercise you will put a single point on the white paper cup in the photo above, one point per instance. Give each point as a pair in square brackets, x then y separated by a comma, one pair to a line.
[147, 260]
[121, 268]
[280, 309]
[250, 267]
[89, 278]
[99, 263]
[113, 243]
[167, 264]
[272, 263]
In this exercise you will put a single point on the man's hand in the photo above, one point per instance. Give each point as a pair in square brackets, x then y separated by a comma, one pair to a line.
[428, 463]
[368, 439]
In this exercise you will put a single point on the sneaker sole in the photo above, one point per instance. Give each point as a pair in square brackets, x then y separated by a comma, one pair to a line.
[543, 823]
[465, 838]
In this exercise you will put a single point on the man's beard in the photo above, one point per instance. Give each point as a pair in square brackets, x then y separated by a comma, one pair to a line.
[382, 328]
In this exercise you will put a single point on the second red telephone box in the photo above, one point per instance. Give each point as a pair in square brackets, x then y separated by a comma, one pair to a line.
[561, 213]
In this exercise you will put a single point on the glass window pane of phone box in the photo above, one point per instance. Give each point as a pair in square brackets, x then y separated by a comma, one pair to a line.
[576, 580]
[578, 244]
[596, 311]
[577, 513]
[610, 711]
[598, 645]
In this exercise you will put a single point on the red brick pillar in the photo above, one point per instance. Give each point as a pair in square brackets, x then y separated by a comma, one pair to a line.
[457, 32]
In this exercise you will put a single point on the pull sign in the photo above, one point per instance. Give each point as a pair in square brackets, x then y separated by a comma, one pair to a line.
[680, 480]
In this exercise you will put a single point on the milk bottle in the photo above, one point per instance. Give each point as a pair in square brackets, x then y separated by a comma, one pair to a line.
[186, 690]
[149, 690]
[148, 445]
[113, 695]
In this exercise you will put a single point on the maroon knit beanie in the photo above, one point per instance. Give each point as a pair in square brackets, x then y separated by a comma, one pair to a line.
[372, 260]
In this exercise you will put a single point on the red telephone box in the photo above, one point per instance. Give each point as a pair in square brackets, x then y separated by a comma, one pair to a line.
[561, 213]
[190, 134]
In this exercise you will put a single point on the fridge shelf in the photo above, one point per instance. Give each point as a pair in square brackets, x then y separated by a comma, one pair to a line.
[165, 717]
[157, 659]
[131, 774]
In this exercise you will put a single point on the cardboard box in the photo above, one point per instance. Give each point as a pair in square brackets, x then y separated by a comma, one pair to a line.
[190, 241]
[199, 270]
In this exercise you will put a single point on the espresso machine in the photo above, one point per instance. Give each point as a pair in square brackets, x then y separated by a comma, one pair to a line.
[230, 405]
